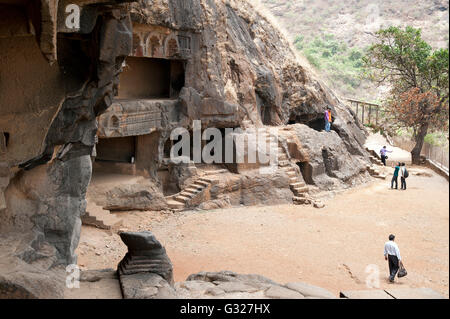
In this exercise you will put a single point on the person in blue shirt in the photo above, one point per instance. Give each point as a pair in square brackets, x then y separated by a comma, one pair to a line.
[383, 152]
[395, 177]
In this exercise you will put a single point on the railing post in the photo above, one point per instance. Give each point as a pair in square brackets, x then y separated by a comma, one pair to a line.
[363, 109]
[376, 116]
[356, 109]
[370, 111]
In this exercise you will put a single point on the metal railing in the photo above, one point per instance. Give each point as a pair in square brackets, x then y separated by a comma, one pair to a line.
[438, 154]
[367, 113]
[371, 113]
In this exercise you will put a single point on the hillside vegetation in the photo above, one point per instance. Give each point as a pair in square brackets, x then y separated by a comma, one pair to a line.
[333, 35]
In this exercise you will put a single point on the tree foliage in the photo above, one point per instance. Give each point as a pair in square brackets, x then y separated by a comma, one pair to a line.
[417, 76]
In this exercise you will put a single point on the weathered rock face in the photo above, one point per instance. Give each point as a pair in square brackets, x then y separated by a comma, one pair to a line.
[252, 189]
[243, 67]
[329, 164]
[135, 197]
[238, 69]
[47, 125]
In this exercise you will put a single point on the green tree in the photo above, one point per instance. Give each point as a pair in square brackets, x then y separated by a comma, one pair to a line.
[418, 78]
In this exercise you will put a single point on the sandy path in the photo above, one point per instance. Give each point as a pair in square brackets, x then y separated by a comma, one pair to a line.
[376, 141]
[330, 247]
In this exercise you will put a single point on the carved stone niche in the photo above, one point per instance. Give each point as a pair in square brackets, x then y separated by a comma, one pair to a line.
[160, 42]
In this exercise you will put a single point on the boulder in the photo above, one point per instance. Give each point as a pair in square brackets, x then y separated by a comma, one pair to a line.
[135, 197]
[277, 292]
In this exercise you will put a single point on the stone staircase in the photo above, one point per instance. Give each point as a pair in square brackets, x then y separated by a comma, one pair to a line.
[178, 202]
[374, 157]
[98, 217]
[375, 172]
[375, 160]
[296, 184]
[374, 169]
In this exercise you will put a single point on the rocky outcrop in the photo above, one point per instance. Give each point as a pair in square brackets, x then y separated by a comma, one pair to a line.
[239, 68]
[146, 271]
[135, 197]
[242, 69]
[328, 163]
[50, 128]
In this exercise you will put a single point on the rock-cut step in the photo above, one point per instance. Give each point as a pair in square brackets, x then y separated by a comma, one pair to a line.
[98, 217]
[179, 201]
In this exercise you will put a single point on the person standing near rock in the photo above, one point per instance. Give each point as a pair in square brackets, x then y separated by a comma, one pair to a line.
[392, 255]
[395, 177]
[328, 119]
[383, 152]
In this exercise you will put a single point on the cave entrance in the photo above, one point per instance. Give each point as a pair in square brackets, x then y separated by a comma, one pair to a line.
[265, 115]
[117, 149]
[151, 78]
[317, 124]
[306, 170]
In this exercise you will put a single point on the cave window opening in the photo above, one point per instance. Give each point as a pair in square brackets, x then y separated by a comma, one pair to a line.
[151, 78]
[6, 138]
[167, 148]
[117, 149]
[306, 170]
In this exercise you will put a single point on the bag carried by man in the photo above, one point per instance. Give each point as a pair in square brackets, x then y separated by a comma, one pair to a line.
[406, 173]
[402, 272]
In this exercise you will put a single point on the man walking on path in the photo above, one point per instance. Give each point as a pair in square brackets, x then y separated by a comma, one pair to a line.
[392, 255]
[328, 119]
[383, 152]
[403, 176]
[395, 177]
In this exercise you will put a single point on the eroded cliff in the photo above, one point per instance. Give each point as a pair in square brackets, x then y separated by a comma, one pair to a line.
[229, 67]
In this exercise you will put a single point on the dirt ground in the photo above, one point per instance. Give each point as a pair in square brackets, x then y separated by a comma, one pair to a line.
[329, 247]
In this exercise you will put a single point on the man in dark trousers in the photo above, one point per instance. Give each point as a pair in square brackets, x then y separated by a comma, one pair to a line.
[383, 155]
[403, 176]
[392, 255]
[395, 177]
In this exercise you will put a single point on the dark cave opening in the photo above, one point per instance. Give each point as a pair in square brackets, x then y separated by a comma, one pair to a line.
[316, 123]
[151, 78]
[306, 170]
[117, 149]
[6, 138]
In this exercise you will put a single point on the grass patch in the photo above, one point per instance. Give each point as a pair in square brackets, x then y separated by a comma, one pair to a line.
[342, 65]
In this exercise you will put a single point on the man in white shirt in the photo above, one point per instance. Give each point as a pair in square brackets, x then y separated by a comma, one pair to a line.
[392, 255]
